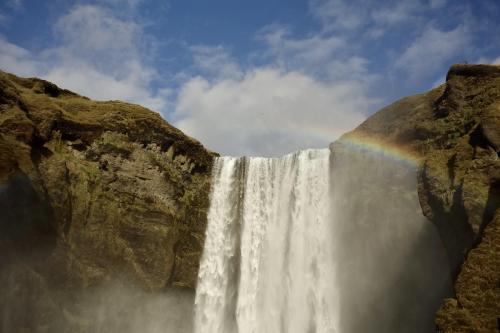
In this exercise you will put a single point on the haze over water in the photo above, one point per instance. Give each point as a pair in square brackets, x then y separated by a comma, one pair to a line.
[318, 242]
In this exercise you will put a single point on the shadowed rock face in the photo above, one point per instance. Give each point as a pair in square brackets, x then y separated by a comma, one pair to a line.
[455, 128]
[93, 192]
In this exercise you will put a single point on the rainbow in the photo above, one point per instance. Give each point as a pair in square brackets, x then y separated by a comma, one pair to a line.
[382, 147]
[373, 143]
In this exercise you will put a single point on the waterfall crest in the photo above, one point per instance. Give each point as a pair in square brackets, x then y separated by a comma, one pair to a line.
[268, 263]
[318, 241]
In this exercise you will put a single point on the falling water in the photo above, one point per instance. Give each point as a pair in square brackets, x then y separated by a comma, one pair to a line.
[268, 263]
[318, 242]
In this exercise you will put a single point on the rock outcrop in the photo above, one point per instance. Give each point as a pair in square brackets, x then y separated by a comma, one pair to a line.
[96, 192]
[455, 130]
[92, 192]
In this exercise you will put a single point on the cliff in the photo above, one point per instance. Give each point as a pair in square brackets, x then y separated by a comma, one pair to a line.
[455, 131]
[92, 192]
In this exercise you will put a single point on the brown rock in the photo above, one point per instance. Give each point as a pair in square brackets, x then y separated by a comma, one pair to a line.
[121, 194]
[455, 130]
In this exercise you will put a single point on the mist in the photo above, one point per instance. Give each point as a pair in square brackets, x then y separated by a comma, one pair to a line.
[319, 241]
[323, 240]
[37, 297]
[28, 303]
[392, 269]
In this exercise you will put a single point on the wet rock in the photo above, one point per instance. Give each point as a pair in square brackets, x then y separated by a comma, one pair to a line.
[454, 130]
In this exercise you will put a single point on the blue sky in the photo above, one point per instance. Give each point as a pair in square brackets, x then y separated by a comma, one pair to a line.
[249, 77]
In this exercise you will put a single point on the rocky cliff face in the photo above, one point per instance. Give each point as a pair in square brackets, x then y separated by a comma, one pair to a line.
[93, 192]
[455, 129]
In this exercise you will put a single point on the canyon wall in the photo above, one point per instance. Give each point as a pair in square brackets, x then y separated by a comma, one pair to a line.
[92, 193]
[455, 130]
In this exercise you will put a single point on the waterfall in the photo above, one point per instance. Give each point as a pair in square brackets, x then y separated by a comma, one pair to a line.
[268, 263]
[318, 241]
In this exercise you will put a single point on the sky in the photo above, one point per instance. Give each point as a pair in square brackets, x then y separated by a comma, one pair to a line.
[260, 77]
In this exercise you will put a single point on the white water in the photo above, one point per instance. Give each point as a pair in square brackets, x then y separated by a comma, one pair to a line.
[316, 243]
[268, 263]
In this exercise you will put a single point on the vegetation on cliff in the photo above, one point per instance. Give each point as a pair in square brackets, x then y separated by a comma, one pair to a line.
[93, 192]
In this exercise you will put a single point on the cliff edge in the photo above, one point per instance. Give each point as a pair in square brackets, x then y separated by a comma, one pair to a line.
[92, 192]
[455, 132]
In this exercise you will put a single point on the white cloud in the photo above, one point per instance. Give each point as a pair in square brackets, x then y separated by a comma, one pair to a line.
[353, 69]
[311, 90]
[308, 54]
[330, 58]
[99, 56]
[94, 28]
[215, 61]
[269, 112]
[491, 61]
[340, 14]
[496, 61]
[429, 52]
[94, 34]
[261, 111]
[307, 96]
[17, 59]
[376, 16]
[88, 81]
[400, 12]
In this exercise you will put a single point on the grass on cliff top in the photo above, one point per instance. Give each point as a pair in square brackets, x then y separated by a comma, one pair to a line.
[47, 100]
